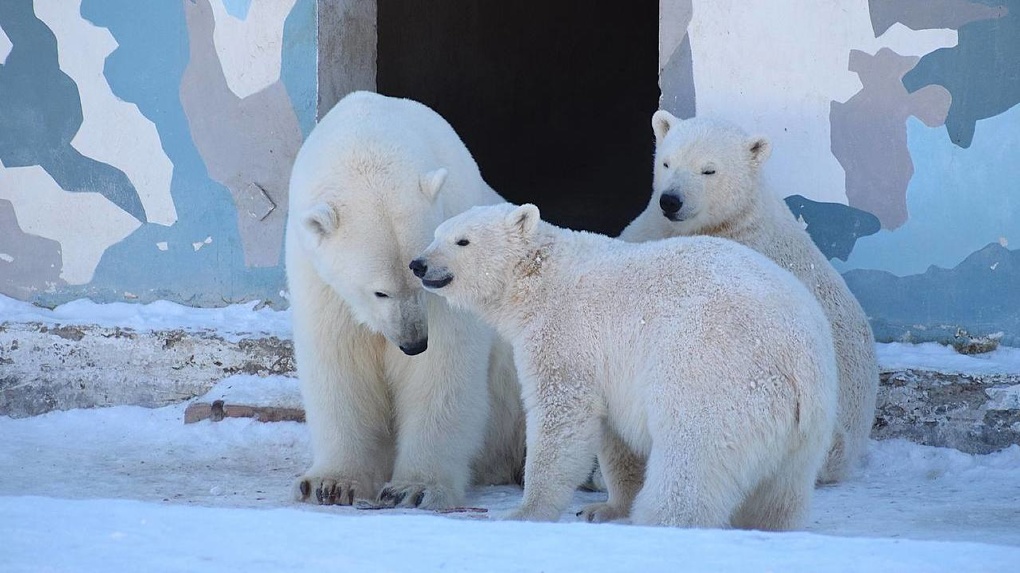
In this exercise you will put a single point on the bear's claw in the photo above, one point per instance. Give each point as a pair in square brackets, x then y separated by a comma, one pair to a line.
[327, 491]
[423, 496]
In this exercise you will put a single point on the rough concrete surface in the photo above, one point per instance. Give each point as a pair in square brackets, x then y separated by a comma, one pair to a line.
[45, 367]
[975, 414]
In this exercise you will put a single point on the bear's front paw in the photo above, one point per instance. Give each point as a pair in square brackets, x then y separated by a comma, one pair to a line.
[331, 490]
[424, 496]
[601, 512]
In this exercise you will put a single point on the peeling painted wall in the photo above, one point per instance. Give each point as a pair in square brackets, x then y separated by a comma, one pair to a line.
[145, 151]
[896, 139]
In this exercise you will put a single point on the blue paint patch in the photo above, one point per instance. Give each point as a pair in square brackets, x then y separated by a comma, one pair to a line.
[40, 113]
[958, 200]
[237, 8]
[979, 295]
[299, 71]
[146, 70]
[982, 72]
[834, 227]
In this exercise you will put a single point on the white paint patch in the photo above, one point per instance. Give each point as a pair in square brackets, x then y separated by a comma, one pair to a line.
[251, 50]
[775, 68]
[6, 258]
[1003, 241]
[85, 224]
[201, 244]
[113, 131]
[5, 47]
[162, 245]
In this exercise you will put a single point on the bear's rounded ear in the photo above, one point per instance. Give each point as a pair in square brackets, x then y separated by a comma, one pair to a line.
[321, 220]
[524, 218]
[760, 149]
[662, 121]
[431, 182]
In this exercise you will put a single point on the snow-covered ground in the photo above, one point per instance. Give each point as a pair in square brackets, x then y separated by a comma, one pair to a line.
[129, 488]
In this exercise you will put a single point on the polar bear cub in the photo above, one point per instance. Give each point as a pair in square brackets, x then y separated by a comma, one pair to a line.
[707, 181]
[407, 400]
[696, 354]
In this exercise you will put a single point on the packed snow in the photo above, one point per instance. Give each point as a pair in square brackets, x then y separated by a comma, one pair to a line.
[128, 488]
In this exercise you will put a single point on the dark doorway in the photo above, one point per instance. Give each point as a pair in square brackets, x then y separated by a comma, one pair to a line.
[553, 98]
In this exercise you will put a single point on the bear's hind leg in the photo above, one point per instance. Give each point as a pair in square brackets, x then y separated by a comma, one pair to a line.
[781, 502]
[624, 473]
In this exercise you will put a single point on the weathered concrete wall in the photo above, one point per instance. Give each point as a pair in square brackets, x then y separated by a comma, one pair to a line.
[347, 50]
[895, 127]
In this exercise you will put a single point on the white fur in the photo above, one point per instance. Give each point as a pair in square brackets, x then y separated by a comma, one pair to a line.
[732, 203]
[698, 355]
[369, 186]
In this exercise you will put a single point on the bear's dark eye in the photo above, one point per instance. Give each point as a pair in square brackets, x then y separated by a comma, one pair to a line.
[379, 294]
[463, 243]
[665, 164]
[708, 171]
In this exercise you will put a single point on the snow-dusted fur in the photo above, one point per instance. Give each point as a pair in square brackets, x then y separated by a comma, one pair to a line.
[698, 355]
[712, 169]
[370, 185]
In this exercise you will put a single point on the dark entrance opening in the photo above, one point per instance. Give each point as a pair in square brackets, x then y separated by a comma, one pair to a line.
[553, 98]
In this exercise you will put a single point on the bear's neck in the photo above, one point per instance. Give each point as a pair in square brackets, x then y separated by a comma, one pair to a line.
[534, 281]
[752, 222]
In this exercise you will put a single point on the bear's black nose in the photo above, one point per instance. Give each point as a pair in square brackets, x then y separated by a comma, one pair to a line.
[670, 203]
[415, 347]
[418, 267]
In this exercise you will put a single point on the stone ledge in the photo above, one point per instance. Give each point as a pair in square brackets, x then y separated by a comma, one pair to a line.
[972, 413]
[46, 367]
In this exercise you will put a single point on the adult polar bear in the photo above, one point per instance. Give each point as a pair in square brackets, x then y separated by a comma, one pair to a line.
[369, 186]
[697, 354]
[707, 182]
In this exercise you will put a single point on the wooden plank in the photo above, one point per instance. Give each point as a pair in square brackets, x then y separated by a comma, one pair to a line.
[217, 410]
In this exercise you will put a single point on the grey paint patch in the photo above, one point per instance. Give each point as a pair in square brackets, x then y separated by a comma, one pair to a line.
[34, 262]
[928, 14]
[979, 295]
[869, 133]
[243, 142]
[676, 80]
[834, 227]
[981, 72]
[40, 112]
[347, 49]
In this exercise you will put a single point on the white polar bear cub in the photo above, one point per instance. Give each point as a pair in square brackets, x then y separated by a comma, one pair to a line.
[697, 354]
[370, 185]
[707, 182]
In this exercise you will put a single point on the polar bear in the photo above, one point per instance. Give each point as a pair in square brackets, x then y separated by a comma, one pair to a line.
[698, 355]
[404, 395]
[707, 182]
